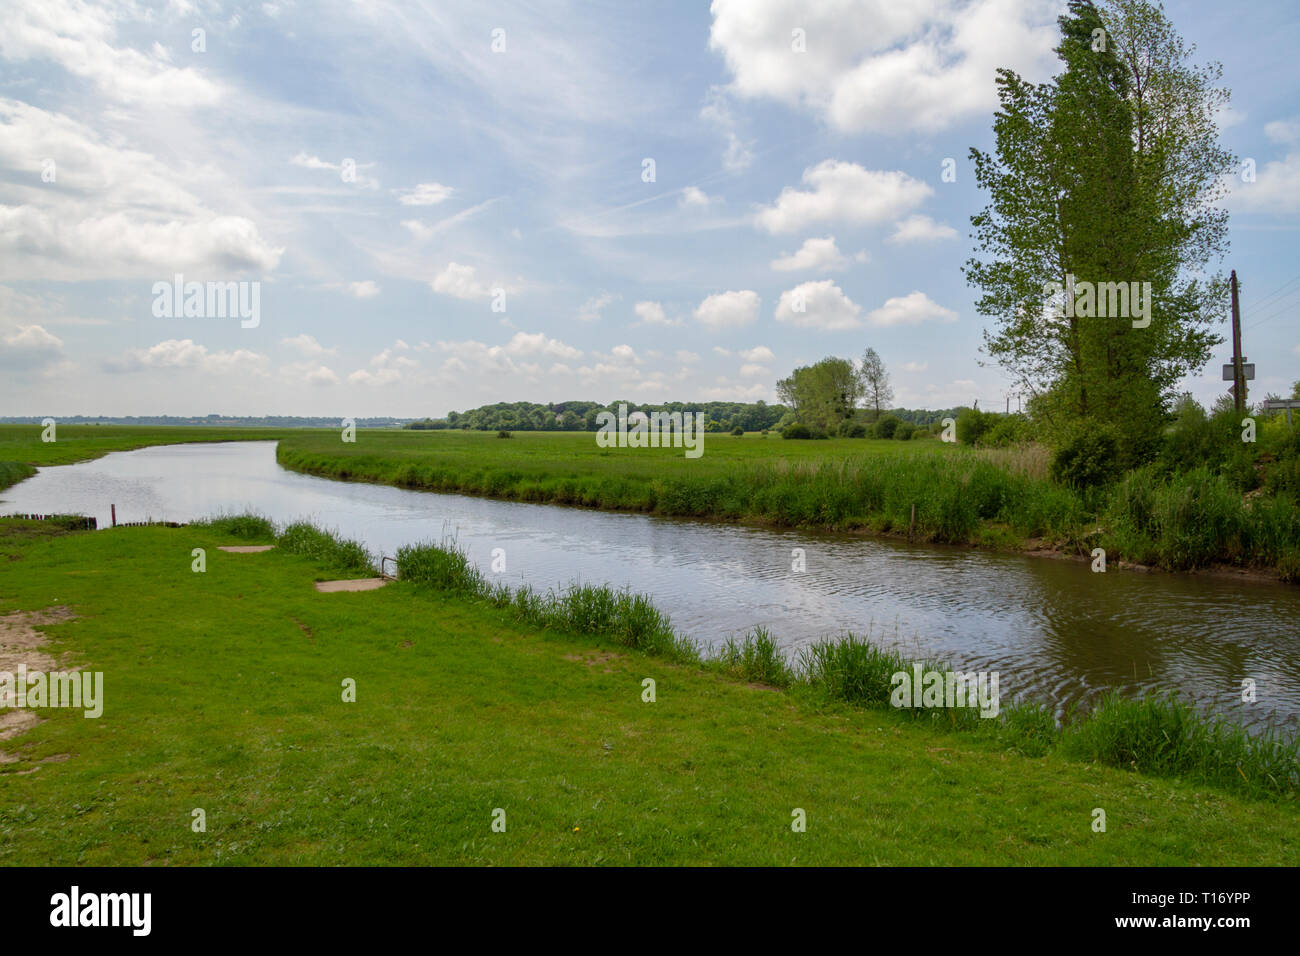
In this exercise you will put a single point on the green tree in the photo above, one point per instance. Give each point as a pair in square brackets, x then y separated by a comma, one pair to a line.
[875, 380]
[1109, 173]
[823, 394]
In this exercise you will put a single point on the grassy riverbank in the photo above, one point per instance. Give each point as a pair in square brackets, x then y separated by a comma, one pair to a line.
[223, 693]
[927, 489]
[22, 451]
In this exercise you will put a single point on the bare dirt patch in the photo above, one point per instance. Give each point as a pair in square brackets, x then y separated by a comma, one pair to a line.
[592, 658]
[246, 548]
[360, 584]
[21, 644]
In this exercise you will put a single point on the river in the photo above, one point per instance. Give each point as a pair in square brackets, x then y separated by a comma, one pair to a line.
[1052, 629]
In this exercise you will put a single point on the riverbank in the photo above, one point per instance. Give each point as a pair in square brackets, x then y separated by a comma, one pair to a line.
[234, 706]
[22, 451]
[925, 491]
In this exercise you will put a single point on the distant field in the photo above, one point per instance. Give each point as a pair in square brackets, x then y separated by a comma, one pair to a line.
[21, 448]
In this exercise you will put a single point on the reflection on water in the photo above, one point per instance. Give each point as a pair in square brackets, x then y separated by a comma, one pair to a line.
[1053, 629]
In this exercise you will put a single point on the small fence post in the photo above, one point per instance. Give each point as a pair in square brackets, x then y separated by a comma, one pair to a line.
[114, 510]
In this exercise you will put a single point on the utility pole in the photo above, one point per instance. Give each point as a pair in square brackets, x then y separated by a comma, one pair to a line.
[1238, 375]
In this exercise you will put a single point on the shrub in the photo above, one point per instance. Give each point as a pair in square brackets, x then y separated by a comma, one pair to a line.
[738, 431]
[887, 425]
[1007, 430]
[851, 429]
[972, 425]
[905, 431]
[1088, 458]
[504, 434]
[796, 431]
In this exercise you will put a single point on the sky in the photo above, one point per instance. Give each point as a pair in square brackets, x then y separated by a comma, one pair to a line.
[441, 205]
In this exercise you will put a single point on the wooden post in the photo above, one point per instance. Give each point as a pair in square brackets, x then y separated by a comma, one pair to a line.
[114, 508]
[912, 527]
[1238, 375]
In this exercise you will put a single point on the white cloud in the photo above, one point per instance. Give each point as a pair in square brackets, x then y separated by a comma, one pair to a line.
[824, 307]
[652, 313]
[726, 391]
[348, 167]
[1276, 188]
[738, 154]
[753, 371]
[425, 194]
[694, 196]
[386, 368]
[310, 373]
[820, 254]
[1283, 131]
[590, 311]
[846, 192]
[728, 309]
[911, 309]
[914, 366]
[188, 354]
[423, 231]
[686, 357]
[308, 346]
[29, 347]
[460, 281]
[80, 37]
[365, 289]
[921, 229]
[760, 353]
[111, 212]
[879, 64]
[472, 357]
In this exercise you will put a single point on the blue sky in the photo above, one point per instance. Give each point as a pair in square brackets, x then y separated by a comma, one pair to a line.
[388, 177]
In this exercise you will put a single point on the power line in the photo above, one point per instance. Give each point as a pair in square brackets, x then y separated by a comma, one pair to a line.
[1264, 301]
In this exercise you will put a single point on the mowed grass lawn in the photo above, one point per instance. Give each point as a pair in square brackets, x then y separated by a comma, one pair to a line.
[223, 691]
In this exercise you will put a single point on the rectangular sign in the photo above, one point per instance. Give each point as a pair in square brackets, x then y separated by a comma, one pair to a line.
[1247, 369]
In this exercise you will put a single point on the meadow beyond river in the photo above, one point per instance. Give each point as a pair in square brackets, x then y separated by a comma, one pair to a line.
[1054, 630]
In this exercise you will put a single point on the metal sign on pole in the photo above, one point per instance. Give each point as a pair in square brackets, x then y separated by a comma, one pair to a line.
[1247, 371]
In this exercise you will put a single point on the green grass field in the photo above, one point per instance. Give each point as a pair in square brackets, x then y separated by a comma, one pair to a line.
[223, 693]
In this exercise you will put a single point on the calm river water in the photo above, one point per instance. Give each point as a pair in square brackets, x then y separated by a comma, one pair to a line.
[1053, 629]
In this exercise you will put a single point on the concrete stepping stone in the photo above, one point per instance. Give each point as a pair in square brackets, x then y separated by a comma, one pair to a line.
[358, 584]
[247, 548]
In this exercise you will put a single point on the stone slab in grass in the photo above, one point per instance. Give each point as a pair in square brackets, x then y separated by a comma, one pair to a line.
[358, 584]
[247, 548]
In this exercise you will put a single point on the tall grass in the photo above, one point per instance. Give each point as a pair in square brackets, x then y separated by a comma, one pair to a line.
[249, 525]
[12, 472]
[327, 548]
[1169, 737]
[630, 619]
[755, 657]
